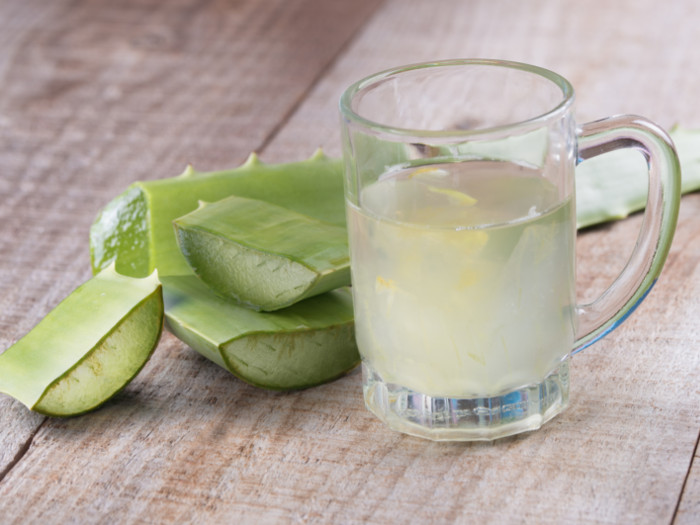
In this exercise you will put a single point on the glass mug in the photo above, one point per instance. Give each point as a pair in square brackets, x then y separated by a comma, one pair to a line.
[459, 186]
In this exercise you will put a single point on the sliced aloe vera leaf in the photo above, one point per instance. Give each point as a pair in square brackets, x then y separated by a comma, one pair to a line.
[135, 232]
[612, 186]
[262, 255]
[88, 347]
[135, 229]
[309, 343]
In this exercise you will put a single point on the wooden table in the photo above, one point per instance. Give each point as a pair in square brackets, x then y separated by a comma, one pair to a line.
[97, 94]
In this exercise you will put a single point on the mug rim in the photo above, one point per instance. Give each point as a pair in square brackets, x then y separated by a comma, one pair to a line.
[363, 84]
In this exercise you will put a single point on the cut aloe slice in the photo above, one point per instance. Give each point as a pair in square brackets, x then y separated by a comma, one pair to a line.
[87, 348]
[262, 255]
[304, 345]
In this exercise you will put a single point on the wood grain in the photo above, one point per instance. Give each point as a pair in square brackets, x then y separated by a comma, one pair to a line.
[105, 93]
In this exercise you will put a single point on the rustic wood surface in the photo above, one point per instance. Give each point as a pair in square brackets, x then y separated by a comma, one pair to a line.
[97, 94]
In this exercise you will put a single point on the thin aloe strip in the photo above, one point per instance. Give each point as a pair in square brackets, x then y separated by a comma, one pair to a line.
[309, 343]
[88, 347]
[135, 232]
[262, 255]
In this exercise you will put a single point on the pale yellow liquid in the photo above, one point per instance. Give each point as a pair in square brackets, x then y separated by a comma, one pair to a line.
[463, 277]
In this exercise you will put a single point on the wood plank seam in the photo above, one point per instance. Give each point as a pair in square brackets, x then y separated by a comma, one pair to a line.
[22, 451]
[685, 480]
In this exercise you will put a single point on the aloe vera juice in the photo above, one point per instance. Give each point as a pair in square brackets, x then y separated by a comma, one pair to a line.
[463, 277]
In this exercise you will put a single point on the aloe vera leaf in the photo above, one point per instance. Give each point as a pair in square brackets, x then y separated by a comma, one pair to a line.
[262, 255]
[307, 344]
[613, 185]
[135, 232]
[135, 229]
[529, 148]
[610, 187]
[88, 347]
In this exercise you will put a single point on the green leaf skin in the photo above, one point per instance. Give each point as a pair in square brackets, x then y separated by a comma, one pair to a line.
[135, 232]
[88, 347]
[309, 343]
[262, 255]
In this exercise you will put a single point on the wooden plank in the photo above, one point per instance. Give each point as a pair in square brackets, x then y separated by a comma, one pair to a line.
[186, 442]
[96, 95]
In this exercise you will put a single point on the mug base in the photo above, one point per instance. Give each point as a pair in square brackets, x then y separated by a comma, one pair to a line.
[471, 418]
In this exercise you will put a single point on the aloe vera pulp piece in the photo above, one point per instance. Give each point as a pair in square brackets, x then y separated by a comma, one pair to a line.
[262, 255]
[135, 229]
[309, 343]
[88, 347]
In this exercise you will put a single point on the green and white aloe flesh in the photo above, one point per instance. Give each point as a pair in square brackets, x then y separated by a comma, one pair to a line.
[88, 347]
[262, 255]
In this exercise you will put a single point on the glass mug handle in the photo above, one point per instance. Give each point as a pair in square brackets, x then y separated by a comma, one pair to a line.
[604, 314]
